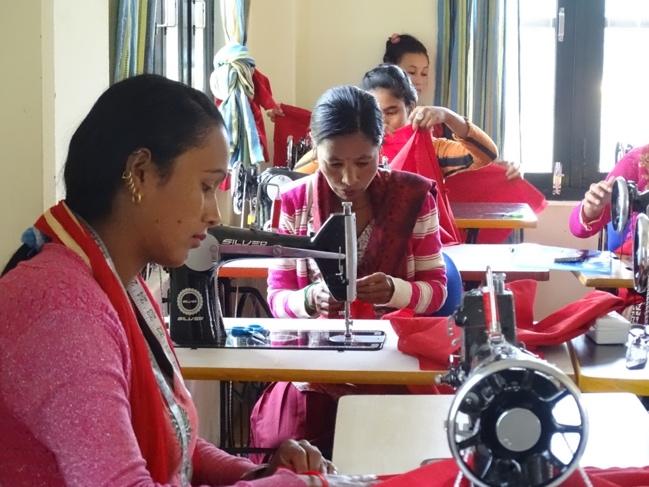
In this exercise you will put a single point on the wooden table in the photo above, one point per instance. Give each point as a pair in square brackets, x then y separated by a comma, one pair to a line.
[474, 216]
[470, 259]
[245, 268]
[621, 275]
[518, 261]
[602, 368]
[393, 434]
[385, 366]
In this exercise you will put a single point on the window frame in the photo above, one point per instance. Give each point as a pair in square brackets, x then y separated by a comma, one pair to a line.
[186, 23]
[577, 104]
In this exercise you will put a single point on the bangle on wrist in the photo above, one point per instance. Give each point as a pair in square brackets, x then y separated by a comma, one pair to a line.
[468, 126]
[308, 306]
[391, 284]
[323, 480]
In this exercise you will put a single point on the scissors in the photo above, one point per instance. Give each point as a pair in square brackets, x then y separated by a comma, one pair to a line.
[257, 332]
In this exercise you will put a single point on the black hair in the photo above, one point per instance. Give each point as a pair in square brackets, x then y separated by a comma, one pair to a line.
[399, 44]
[145, 111]
[391, 77]
[345, 110]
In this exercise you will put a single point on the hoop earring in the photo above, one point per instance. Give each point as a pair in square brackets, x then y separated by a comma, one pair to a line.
[136, 196]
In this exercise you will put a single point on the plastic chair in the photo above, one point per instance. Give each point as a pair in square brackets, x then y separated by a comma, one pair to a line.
[454, 289]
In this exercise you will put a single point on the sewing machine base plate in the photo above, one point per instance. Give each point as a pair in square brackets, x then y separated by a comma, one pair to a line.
[309, 340]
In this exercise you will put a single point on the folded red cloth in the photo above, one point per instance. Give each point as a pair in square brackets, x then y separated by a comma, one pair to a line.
[445, 472]
[295, 122]
[488, 184]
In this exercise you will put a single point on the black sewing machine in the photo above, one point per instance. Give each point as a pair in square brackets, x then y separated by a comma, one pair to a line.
[196, 319]
[503, 428]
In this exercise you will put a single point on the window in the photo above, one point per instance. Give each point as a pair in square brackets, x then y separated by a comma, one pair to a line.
[575, 87]
[188, 34]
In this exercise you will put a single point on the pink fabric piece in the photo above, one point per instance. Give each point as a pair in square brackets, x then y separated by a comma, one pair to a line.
[64, 386]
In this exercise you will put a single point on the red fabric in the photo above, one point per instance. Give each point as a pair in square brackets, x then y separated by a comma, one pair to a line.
[295, 122]
[413, 151]
[438, 131]
[426, 338]
[444, 472]
[149, 416]
[263, 98]
[488, 184]
[429, 341]
[361, 310]
[570, 321]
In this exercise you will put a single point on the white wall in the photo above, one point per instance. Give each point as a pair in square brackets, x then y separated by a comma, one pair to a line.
[55, 64]
[307, 46]
[21, 137]
[339, 40]
[80, 69]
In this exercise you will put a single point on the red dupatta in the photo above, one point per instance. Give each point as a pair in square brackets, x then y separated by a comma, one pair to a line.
[413, 151]
[150, 420]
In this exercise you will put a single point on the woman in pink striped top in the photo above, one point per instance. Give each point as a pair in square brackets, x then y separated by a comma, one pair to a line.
[399, 252]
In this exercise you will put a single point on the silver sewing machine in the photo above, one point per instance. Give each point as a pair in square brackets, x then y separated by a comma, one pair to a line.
[507, 424]
[626, 200]
[195, 313]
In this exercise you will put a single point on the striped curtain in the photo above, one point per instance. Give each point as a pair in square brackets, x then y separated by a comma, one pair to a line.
[470, 61]
[134, 37]
[452, 61]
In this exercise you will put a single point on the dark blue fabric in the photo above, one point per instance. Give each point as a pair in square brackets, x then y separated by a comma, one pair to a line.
[453, 288]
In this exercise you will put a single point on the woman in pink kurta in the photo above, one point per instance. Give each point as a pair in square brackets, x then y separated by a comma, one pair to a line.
[90, 389]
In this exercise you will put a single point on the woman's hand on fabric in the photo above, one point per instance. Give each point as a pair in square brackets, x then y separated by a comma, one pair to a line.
[300, 457]
[376, 288]
[341, 480]
[596, 198]
[512, 169]
[273, 113]
[427, 117]
[324, 303]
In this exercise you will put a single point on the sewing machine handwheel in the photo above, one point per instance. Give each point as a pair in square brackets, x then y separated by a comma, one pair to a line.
[621, 201]
[505, 425]
[641, 253]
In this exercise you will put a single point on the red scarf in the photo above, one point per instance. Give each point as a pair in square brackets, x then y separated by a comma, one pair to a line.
[149, 414]
[413, 151]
